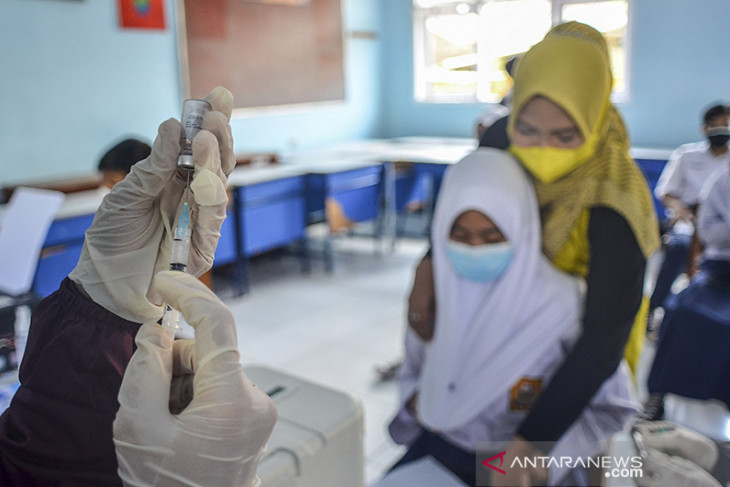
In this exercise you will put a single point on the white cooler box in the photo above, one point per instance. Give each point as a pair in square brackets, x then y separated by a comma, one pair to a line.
[318, 439]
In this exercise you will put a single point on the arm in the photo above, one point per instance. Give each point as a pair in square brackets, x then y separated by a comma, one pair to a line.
[669, 189]
[670, 180]
[713, 218]
[614, 292]
[677, 210]
[404, 429]
[58, 427]
[422, 300]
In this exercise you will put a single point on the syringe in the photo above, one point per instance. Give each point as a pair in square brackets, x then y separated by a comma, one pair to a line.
[178, 262]
[192, 117]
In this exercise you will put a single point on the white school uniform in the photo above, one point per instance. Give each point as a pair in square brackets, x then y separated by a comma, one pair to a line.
[713, 217]
[688, 169]
[496, 345]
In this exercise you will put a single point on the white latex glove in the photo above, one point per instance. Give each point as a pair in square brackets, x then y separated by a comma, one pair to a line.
[218, 439]
[662, 470]
[131, 237]
[675, 440]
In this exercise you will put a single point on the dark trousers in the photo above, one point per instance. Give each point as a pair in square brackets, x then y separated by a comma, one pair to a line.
[463, 463]
[676, 253]
[458, 461]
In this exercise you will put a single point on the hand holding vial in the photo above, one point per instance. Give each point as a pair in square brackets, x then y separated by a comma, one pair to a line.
[131, 238]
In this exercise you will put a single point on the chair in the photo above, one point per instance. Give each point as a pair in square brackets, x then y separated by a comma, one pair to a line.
[24, 223]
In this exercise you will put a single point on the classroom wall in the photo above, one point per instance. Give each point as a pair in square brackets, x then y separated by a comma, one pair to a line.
[73, 82]
[679, 65]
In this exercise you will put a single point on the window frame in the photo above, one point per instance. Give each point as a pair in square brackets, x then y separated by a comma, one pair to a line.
[420, 14]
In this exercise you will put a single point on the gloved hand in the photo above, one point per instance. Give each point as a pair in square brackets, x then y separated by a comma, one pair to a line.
[672, 439]
[218, 439]
[131, 237]
[662, 470]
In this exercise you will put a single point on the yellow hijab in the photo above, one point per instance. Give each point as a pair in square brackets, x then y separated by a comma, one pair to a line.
[570, 66]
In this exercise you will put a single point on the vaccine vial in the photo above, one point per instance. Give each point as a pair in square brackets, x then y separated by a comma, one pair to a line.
[192, 121]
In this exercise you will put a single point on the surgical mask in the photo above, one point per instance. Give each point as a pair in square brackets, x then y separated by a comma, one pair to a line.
[718, 136]
[479, 263]
[548, 164]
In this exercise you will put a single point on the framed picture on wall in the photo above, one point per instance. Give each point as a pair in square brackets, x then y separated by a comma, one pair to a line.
[267, 52]
[282, 2]
[136, 14]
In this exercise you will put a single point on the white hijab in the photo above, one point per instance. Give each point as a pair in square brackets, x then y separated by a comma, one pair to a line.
[489, 335]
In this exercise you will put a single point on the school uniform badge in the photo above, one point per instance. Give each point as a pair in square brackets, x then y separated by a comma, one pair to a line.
[524, 393]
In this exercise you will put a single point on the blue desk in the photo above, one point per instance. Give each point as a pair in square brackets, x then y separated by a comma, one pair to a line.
[341, 192]
[64, 241]
[61, 252]
[419, 164]
[270, 212]
[652, 162]
[226, 252]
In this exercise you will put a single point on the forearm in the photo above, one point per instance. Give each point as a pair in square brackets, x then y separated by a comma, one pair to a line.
[614, 293]
[593, 359]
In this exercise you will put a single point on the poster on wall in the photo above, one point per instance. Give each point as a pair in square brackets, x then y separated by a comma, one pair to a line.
[268, 53]
[141, 14]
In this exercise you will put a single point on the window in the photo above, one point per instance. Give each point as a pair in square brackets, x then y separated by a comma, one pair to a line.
[461, 46]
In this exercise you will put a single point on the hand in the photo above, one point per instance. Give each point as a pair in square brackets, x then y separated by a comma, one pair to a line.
[672, 439]
[219, 437]
[677, 210]
[422, 301]
[130, 239]
[515, 476]
[661, 470]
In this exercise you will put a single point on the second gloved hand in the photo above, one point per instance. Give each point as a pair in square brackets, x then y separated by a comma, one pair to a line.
[662, 470]
[675, 440]
[130, 239]
[218, 438]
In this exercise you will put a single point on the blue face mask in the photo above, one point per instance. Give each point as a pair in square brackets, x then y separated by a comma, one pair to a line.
[479, 263]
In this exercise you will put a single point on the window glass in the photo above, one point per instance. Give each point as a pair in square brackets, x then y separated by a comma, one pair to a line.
[461, 46]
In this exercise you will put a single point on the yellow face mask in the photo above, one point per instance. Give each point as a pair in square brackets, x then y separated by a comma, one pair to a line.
[548, 164]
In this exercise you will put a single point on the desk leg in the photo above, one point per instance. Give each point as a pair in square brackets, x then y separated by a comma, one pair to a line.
[387, 219]
[240, 265]
[244, 281]
[429, 192]
[329, 259]
[305, 256]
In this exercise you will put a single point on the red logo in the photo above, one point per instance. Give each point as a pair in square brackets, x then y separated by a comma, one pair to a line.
[501, 461]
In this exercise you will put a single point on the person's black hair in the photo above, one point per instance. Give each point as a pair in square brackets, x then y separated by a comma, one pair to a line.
[124, 155]
[509, 66]
[714, 112]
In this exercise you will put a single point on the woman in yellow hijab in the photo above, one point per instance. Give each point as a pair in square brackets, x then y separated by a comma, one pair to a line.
[598, 219]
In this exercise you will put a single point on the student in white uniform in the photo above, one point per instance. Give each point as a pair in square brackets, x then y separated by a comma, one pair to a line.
[679, 187]
[713, 221]
[505, 320]
[679, 362]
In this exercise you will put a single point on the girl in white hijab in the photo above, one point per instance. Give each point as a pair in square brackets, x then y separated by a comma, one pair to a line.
[505, 319]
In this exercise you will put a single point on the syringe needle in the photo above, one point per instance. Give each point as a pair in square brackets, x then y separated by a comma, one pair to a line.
[187, 187]
[178, 262]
